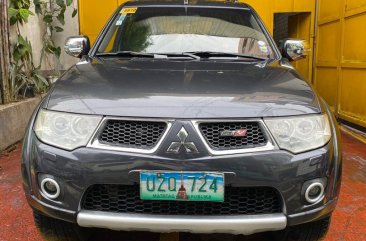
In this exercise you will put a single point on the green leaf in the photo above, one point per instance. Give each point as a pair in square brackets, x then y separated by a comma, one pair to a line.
[74, 12]
[24, 14]
[61, 19]
[13, 12]
[21, 40]
[42, 79]
[16, 55]
[22, 50]
[13, 20]
[62, 11]
[68, 2]
[60, 3]
[58, 52]
[25, 4]
[59, 29]
[48, 18]
[50, 49]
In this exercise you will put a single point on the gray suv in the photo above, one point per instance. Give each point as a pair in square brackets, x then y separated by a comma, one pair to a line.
[183, 117]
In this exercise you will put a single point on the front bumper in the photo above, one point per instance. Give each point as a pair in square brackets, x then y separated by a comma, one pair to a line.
[76, 171]
[246, 225]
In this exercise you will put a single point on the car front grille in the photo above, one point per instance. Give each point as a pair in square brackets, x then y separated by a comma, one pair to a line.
[132, 134]
[212, 132]
[238, 201]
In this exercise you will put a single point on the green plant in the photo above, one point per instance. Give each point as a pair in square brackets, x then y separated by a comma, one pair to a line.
[24, 73]
[17, 80]
[19, 11]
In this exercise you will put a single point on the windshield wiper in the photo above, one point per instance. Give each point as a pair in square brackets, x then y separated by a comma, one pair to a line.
[178, 55]
[131, 54]
[208, 54]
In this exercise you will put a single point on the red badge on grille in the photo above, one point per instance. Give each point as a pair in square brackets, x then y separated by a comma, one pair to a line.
[236, 133]
[240, 133]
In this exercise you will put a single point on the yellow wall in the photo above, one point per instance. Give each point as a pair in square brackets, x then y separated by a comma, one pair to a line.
[340, 73]
[94, 14]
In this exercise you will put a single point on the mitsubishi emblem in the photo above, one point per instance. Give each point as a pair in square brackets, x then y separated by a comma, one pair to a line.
[175, 147]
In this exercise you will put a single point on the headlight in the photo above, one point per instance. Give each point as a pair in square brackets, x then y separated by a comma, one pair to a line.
[65, 130]
[300, 134]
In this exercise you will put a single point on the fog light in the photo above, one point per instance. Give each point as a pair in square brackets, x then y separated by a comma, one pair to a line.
[50, 188]
[314, 192]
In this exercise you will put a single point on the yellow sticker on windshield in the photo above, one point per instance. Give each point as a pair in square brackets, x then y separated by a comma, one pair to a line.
[128, 10]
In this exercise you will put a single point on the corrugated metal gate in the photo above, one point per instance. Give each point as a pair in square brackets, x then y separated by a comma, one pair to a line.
[341, 58]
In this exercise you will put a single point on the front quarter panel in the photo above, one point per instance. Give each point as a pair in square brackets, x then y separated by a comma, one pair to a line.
[28, 145]
[337, 142]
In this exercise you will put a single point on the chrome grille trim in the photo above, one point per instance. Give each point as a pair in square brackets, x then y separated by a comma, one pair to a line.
[95, 143]
[271, 144]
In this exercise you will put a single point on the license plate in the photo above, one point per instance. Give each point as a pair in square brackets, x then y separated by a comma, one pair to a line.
[182, 186]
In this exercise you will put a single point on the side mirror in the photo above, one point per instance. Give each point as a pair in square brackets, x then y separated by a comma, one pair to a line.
[293, 49]
[77, 46]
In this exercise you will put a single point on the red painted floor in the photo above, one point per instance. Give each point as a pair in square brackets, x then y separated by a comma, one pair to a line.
[348, 223]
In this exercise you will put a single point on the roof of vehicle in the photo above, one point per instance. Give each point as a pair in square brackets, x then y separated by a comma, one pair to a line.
[188, 2]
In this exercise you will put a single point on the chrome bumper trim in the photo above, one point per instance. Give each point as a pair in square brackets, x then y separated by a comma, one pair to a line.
[245, 224]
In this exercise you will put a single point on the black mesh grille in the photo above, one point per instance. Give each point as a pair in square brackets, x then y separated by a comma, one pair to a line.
[212, 133]
[132, 134]
[238, 201]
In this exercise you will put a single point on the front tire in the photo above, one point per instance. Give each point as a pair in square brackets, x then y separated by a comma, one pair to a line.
[313, 231]
[58, 230]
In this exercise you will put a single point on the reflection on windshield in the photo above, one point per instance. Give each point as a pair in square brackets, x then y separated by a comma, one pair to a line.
[197, 43]
[136, 37]
[174, 30]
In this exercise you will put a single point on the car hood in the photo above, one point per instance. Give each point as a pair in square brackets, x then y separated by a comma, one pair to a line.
[182, 89]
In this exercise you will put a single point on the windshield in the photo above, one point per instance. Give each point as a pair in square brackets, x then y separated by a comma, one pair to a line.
[168, 30]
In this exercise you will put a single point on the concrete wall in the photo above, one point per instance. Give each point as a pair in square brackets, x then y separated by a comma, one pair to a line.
[13, 121]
